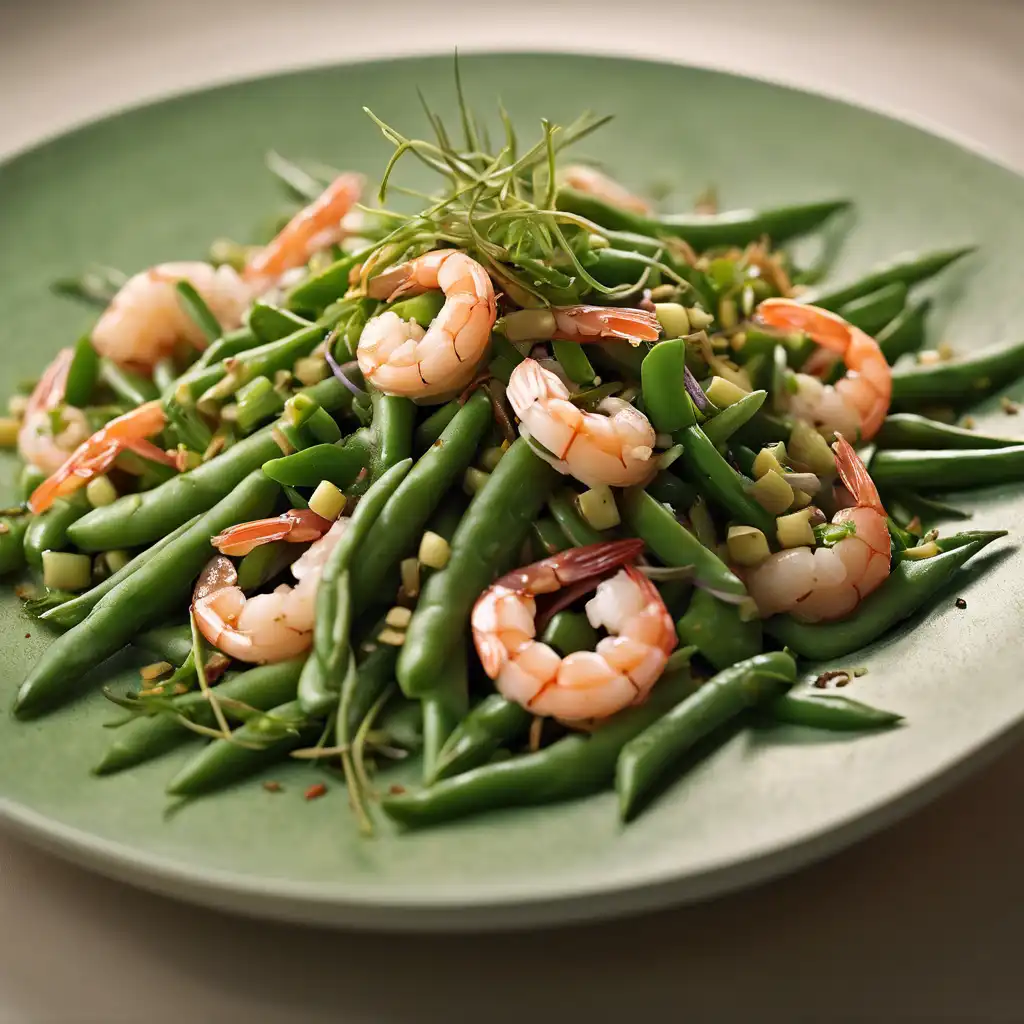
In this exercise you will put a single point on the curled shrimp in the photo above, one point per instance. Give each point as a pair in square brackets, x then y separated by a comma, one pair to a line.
[581, 323]
[37, 441]
[98, 452]
[859, 402]
[399, 357]
[594, 183]
[145, 320]
[267, 627]
[819, 584]
[613, 446]
[586, 684]
[313, 228]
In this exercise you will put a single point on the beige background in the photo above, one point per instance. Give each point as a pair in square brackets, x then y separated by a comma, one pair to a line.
[920, 923]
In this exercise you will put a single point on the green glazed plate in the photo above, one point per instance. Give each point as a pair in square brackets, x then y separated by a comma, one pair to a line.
[158, 183]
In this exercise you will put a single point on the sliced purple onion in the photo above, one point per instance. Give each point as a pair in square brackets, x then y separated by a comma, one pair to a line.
[694, 390]
[340, 373]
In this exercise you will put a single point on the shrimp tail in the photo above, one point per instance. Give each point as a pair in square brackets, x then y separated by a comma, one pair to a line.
[855, 477]
[573, 566]
[297, 526]
[598, 323]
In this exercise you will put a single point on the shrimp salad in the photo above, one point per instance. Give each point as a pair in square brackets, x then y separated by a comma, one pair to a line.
[512, 499]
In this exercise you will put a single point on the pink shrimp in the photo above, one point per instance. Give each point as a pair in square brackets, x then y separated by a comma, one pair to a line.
[312, 228]
[37, 442]
[594, 183]
[859, 402]
[145, 320]
[825, 583]
[399, 358]
[297, 526]
[267, 627]
[582, 324]
[586, 684]
[98, 452]
[613, 446]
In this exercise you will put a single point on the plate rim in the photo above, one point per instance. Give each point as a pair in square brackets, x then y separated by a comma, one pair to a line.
[370, 907]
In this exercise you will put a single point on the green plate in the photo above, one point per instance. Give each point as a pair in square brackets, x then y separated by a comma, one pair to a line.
[157, 183]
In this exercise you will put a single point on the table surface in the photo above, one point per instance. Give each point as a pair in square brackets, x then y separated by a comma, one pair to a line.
[921, 920]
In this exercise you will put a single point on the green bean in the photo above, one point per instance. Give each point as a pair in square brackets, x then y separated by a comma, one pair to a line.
[493, 723]
[443, 708]
[907, 430]
[406, 513]
[829, 711]
[421, 308]
[376, 672]
[548, 538]
[198, 311]
[667, 488]
[143, 599]
[130, 387]
[705, 231]
[578, 765]
[663, 374]
[261, 688]
[258, 743]
[137, 519]
[171, 643]
[708, 470]
[569, 632]
[223, 348]
[334, 600]
[960, 380]
[319, 291]
[262, 361]
[721, 427]
[49, 531]
[393, 420]
[873, 311]
[72, 612]
[574, 361]
[340, 464]
[433, 426]
[674, 544]
[270, 323]
[265, 563]
[82, 374]
[562, 505]
[907, 268]
[910, 586]
[29, 479]
[255, 402]
[488, 538]
[947, 469]
[645, 760]
[12, 542]
[718, 631]
[906, 333]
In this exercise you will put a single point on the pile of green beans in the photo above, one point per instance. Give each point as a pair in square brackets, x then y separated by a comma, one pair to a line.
[442, 499]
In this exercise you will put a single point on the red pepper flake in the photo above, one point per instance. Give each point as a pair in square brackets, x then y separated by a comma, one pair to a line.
[27, 635]
[961, 603]
[396, 790]
[315, 791]
[272, 787]
[839, 676]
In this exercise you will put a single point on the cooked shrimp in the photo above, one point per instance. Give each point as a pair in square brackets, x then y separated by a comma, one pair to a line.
[594, 183]
[858, 403]
[266, 627]
[145, 321]
[297, 526]
[613, 446]
[98, 452]
[399, 357]
[587, 684]
[37, 443]
[819, 584]
[581, 323]
[313, 228]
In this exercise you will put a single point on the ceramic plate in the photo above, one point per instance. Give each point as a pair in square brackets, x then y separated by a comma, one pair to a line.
[159, 182]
